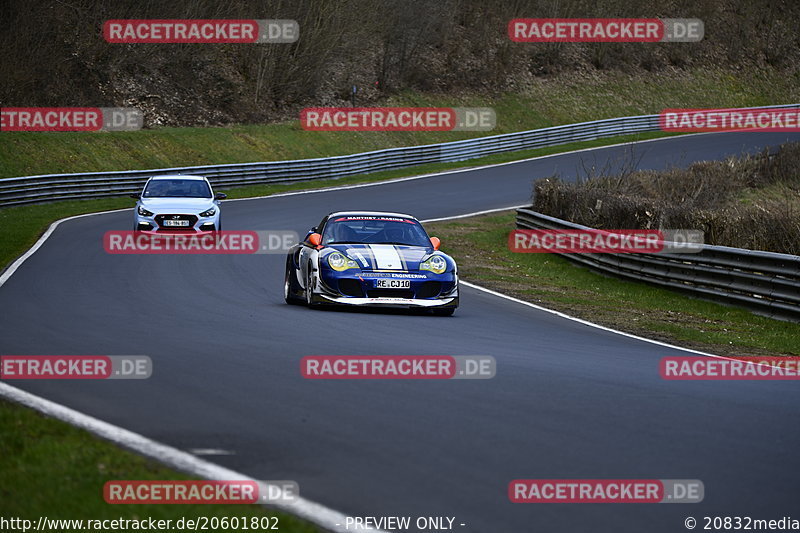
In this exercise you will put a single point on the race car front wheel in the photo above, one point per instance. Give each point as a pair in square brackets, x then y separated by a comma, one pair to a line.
[310, 287]
[290, 285]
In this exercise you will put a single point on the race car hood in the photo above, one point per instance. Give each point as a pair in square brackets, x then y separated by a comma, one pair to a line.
[177, 205]
[384, 256]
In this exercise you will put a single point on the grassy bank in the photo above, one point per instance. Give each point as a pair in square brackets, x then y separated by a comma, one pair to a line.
[49, 468]
[547, 102]
[479, 244]
[21, 226]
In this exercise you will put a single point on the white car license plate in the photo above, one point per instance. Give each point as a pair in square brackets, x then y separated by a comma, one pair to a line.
[178, 223]
[393, 284]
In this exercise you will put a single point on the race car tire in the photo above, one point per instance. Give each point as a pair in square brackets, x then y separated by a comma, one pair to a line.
[309, 292]
[290, 286]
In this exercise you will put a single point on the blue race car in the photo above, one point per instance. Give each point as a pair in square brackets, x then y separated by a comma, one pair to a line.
[366, 258]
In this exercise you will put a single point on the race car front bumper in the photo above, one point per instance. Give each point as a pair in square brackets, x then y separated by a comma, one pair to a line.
[357, 290]
[392, 302]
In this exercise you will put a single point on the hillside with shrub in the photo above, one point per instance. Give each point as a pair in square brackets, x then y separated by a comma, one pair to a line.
[53, 53]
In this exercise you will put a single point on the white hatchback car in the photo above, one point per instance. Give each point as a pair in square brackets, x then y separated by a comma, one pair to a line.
[177, 203]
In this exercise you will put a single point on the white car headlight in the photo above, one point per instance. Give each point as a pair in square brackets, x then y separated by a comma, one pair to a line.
[208, 212]
[144, 212]
[435, 263]
[339, 262]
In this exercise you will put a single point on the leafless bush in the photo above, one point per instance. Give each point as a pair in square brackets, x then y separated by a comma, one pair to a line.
[747, 202]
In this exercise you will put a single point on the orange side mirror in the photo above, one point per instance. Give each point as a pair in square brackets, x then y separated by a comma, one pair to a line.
[315, 239]
[435, 242]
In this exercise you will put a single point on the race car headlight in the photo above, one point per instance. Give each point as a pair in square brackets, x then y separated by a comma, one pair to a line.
[208, 213]
[340, 262]
[144, 212]
[435, 263]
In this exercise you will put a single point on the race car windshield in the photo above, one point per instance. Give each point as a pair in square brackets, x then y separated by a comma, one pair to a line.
[177, 189]
[375, 230]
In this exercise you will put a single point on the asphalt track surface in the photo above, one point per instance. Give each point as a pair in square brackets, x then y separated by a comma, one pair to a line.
[569, 400]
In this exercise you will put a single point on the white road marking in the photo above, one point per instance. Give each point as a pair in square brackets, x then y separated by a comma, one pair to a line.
[461, 170]
[16, 264]
[476, 213]
[38, 244]
[210, 451]
[186, 462]
[586, 322]
[552, 311]
[172, 457]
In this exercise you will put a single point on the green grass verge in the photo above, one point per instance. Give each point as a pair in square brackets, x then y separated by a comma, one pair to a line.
[21, 226]
[49, 468]
[544, 102]
[479, 245]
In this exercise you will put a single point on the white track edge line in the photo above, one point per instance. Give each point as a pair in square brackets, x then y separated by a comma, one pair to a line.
[587, 323]
[183, 461]
[16, 264]
[475, 214]
[38, 244]
[552, 311]
[172, 457]
[475, 168]
[605, 328]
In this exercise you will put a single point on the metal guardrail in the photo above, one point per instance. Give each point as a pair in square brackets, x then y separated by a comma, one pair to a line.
[767, 283]
[50, 187]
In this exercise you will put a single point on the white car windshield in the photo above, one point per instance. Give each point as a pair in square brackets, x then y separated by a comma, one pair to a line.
[177, 188]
